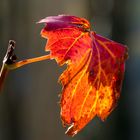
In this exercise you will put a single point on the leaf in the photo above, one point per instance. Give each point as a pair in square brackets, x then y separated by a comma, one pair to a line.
[93, 79]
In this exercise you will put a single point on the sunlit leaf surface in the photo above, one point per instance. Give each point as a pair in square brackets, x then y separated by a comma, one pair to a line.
[93, 79]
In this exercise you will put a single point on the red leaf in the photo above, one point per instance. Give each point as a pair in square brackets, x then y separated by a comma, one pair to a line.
[93, 79]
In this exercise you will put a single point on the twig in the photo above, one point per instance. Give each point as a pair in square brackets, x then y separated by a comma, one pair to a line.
[9, 59]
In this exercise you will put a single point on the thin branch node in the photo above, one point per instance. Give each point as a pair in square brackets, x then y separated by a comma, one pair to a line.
[10, 57]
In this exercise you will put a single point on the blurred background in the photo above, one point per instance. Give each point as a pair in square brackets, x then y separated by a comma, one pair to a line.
[29, 108]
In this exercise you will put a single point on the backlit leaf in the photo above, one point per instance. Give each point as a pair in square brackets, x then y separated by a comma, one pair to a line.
[93, 79]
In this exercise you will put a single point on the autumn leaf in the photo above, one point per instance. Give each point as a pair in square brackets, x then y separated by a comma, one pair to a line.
[93, 79]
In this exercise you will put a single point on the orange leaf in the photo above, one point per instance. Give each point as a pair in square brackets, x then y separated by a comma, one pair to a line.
[93, 79]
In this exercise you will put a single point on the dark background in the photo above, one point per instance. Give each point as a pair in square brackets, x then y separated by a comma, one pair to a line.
[29, 107]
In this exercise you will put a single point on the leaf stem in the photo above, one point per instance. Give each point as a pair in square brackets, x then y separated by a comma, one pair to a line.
[28, 61]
